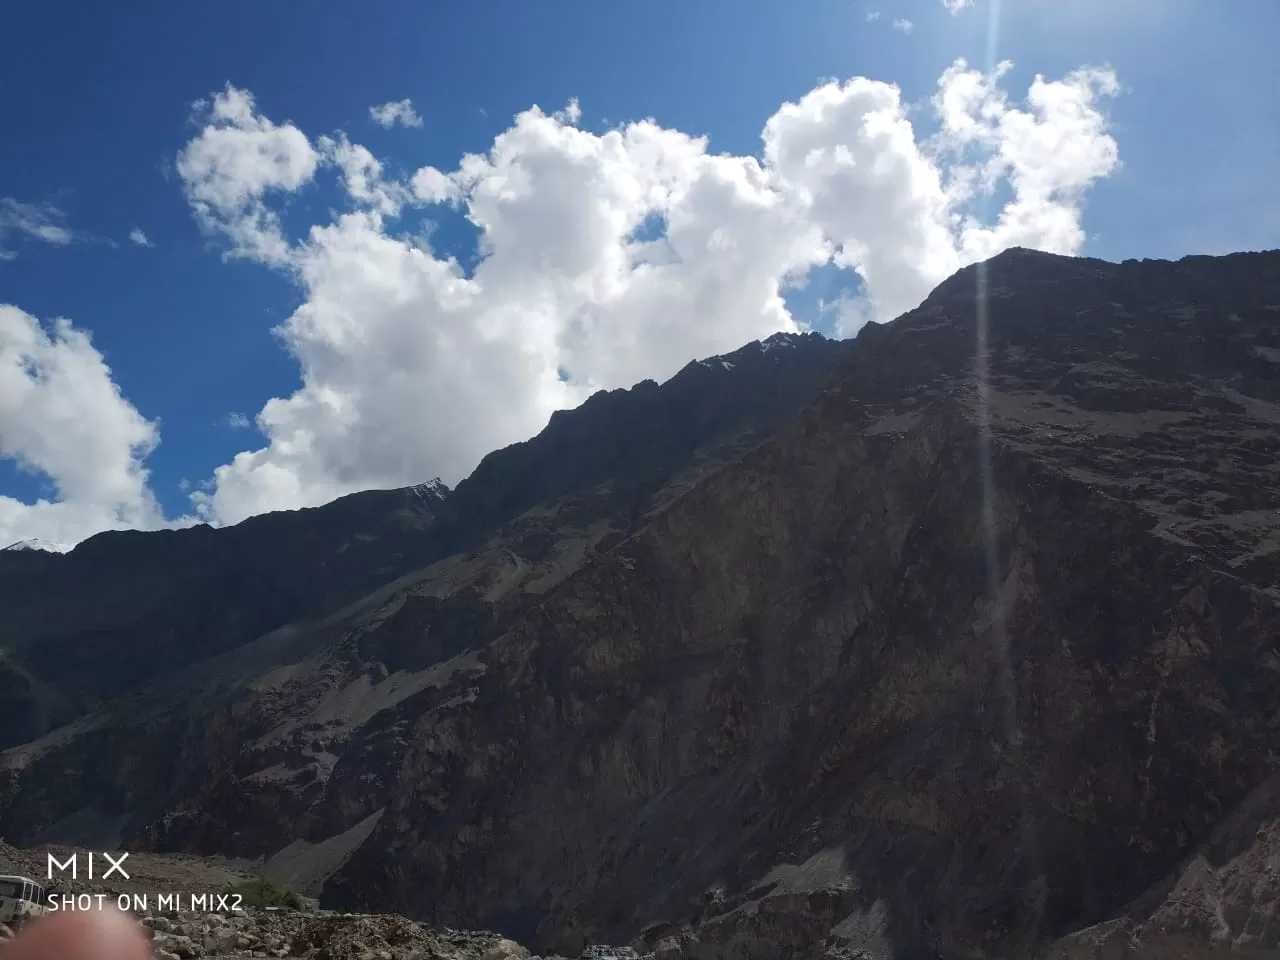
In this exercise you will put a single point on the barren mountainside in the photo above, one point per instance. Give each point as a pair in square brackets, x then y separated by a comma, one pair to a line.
[125, 608]
[955, 640]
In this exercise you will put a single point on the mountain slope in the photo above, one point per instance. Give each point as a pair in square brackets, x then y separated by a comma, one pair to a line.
[246, 663]
[125, 608]
[35, 543]
[790, 709]
[965, 656]
[1219, 903]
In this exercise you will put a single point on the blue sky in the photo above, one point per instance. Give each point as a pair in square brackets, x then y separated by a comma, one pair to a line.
[96, 101]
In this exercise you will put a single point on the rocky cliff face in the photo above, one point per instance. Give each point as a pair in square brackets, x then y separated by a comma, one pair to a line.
[228, 712]
[963, 655]
[124, 608]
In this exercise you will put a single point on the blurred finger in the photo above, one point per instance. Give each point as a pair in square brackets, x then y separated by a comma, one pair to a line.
[108, 934]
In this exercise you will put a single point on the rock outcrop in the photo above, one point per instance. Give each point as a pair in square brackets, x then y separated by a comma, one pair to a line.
[1221, 902]
[126, 608]
[316, 936]
[960, 655]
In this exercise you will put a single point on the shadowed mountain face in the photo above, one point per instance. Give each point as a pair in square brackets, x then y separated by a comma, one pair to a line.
[943, 643]
[124, 608]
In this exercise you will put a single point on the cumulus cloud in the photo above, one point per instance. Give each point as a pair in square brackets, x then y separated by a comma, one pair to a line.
[398, 111]
[234, 164]
[1048, 152]
[607, 258]
[63, 418]
[39, 221]
[139, 238]
[955, 6]
[571, 114]
[238, 421]
[362, 175]
[903, 25]
[411, 367]
[602, 259]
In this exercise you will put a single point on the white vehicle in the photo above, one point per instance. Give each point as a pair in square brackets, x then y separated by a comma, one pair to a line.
[21, 900]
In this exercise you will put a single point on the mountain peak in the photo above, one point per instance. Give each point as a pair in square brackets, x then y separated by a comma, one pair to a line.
[38, 545]
[782, 340]
[653, 616]
[431, 490]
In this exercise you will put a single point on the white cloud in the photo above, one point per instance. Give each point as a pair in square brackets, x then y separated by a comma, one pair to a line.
[955, 6]
[62, 417]
[398, 111]
[238, 421]
[1049, 152]
[140, 238]
[236, 162]
[413, 367]
[40, 221]
[571, 114]
[873, 16]
[608, 257]
[362, 176]
[903, 25]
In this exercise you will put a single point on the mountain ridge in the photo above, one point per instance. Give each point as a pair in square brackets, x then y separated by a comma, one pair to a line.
[222, 587]
[36, 544]
[1028, 532]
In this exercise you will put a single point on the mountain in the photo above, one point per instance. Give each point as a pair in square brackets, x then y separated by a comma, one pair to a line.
[89, 626]
[125, 608]
[1217, 905]
[35, 543]
[952, 641]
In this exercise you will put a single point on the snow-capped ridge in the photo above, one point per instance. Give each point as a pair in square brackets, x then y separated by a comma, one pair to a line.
[431, 490]
[37, 544]
[778, 340]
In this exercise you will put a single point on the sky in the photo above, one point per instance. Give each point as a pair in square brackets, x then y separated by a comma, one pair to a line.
[253, 260]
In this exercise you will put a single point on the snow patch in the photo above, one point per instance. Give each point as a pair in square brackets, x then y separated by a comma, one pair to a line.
[431, 490]
[778, 340]
[35, 543]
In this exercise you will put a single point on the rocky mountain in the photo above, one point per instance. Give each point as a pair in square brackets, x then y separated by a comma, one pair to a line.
[125, 608]
[35, 543]
[951, 641]
[194, 908]
[1219, 904]
[88, 626]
